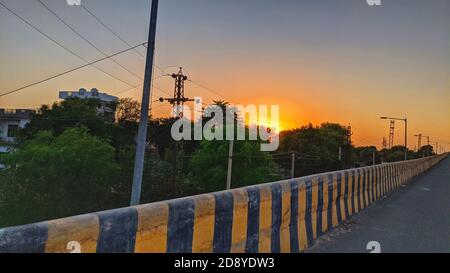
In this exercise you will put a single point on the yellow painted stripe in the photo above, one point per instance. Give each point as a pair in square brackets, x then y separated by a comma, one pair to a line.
[151, 235]
[334, 219]
[363, 188]
[366, 182]
[357, 195]
[350, 193]
[285, 243]
[315, 199]
[325, 203]
[240, 218]
[83, 230]
[341, 198]
[303, 241]
[203, 237]
[265, 219]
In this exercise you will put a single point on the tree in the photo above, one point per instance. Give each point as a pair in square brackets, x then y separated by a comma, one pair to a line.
[57, 176]
[208, 168]
[69, 113]
[426, 150]
[364, 155]
[128, 111]
[316, 147]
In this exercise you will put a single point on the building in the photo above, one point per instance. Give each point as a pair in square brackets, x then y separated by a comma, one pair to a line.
[108, 102]
[10, 122]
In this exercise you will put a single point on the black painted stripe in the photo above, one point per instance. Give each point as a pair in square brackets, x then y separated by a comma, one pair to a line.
[319, 207]
[330, 203]
[276, 218]
[293, 225]
[254, 199]
[369, 187]
[308, 216]
[24, 239]
[369, 191]
[181, 226]
[347, 213]
[223, 225]
[339, 197]
[117, 231]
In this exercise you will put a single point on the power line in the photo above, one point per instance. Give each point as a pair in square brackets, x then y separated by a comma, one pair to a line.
[97, 18]
[90, 43]
[68, 71]
[61, 45]
[86, 40]
[83, 6]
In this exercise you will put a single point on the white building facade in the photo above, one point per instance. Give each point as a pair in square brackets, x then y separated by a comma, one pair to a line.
[108, 102]
[11, 120]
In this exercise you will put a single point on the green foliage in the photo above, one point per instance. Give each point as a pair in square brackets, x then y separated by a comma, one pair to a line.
[364, 155]
[68, 113]
[57, 176]
[316, 147]
[208, 169]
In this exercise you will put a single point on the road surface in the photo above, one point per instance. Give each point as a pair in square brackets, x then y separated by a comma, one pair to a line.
[415, 218]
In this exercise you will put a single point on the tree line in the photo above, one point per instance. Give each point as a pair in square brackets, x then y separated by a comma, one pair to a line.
[69, 160]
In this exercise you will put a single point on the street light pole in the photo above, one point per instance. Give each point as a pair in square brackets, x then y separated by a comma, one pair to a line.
[406, 139]
[146, 94]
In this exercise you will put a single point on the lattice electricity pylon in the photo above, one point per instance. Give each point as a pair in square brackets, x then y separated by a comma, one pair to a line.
[391, 134]
[178, 99]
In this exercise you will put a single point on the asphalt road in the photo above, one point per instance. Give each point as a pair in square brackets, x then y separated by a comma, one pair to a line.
[415, 218]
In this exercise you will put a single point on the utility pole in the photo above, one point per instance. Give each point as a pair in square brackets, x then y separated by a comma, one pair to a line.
[348, 137]
[293, 165]
[230, 164]
[373, 158]
[406, 139]
[143, 122]
[428, 144]
[340, 153]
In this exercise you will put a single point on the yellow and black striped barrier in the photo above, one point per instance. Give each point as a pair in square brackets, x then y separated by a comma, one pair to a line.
[285, 216]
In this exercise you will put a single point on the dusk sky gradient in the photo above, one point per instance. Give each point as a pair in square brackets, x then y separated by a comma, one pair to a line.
[320, 60]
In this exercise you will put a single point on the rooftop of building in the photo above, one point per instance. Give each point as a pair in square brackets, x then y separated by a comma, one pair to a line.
[84, 94]
[16, 113]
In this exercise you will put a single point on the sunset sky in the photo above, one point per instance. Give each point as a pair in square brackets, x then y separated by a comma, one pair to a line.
[321, 60]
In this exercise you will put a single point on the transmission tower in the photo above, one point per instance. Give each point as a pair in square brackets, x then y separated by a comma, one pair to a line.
[178, 99]
[391, 134]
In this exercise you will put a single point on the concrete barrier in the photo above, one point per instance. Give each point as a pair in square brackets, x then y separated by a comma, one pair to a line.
[284, 216]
